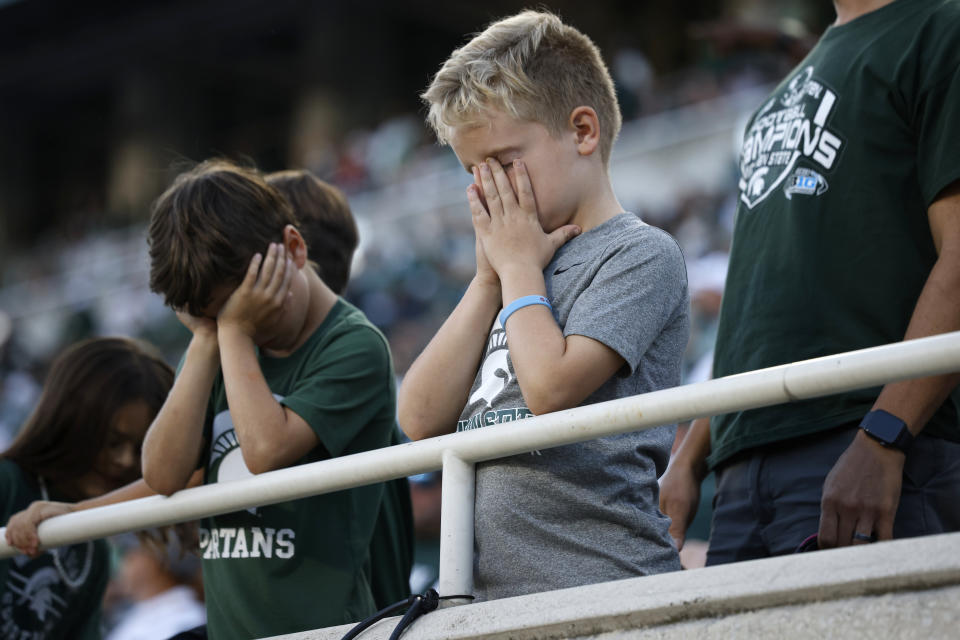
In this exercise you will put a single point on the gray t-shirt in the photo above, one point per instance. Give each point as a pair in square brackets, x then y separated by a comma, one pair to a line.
[587, 512]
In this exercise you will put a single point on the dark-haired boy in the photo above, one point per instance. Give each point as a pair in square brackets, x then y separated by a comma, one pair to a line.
[279, 372]
[326, 222]
[330, 230]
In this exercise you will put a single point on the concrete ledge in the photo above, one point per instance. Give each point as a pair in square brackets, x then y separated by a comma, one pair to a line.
[746, 598]
[915, 615]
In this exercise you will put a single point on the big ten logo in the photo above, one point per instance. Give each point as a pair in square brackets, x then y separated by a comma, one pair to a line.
[783, 131]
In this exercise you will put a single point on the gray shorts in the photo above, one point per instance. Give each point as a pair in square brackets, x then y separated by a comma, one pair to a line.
[768, 498]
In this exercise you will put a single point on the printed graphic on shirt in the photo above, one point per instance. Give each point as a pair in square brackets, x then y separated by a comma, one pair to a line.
[34, 597]
[790, 127]
[246, 542]
[239, 542]
[496, 374]
[490, 418]
[806, 182]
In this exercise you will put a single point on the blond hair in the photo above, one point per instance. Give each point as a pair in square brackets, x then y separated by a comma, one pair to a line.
[531, 66]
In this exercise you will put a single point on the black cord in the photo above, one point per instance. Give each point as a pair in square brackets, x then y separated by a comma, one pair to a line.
[379, 615]
[422, 604]
[416, 605]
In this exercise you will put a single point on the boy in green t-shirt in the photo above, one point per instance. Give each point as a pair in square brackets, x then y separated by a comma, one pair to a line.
[279, 372]
[330, 230]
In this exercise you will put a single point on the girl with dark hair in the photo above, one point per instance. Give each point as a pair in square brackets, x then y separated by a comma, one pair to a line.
[82, 441]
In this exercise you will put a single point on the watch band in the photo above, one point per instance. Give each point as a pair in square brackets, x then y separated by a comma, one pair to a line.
[887, 429]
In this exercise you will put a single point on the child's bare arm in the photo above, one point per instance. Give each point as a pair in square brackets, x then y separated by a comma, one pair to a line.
[271, 436]
[173, 444]
[554, 372]
[21, 531]
[435, 388]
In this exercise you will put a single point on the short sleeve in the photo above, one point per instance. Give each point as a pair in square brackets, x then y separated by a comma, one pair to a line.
[636, 291]
[344, 388]
[937, 123]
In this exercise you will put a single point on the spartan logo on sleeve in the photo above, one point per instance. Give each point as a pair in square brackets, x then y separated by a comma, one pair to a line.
[496, 373]
[786, 129]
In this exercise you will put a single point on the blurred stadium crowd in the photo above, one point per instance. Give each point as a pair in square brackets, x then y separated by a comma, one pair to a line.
[86, 272]
[676, 169]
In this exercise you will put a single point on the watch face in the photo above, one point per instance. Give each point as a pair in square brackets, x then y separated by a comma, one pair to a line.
[887, 428]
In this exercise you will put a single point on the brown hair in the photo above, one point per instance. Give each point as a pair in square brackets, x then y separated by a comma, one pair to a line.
[87, 384]
[207, 226]
[531, 66]
[326, 223]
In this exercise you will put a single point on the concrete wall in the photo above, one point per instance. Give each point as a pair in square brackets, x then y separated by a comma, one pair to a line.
[899, 589]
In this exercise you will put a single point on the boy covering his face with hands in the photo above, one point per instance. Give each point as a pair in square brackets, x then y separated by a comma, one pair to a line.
[280, 371]
[574, 302]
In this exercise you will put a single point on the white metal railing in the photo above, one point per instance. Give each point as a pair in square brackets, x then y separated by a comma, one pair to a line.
[457, 453]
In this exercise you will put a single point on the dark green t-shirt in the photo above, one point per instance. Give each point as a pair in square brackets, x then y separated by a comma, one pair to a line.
[302, 564]
[391, 548]
[832, 244]
[36, 602]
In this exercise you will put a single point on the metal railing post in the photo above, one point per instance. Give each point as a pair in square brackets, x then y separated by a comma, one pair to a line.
[456, 527]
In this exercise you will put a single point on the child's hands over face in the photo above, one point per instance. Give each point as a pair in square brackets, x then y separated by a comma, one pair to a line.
[485, 273]
[201, 327]
[256, 303]
[506, 222]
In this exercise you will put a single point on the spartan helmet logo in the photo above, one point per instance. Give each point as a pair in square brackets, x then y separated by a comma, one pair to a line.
[495, 373]
[757, 182]
[36, 591]
[226, 449]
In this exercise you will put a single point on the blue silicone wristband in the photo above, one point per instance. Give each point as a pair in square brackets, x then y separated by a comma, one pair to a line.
[520, 303]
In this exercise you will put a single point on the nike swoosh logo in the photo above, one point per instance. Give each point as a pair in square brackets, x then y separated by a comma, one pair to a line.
[560, 270]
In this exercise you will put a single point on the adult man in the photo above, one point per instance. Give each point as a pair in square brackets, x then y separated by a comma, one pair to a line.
[847, 236]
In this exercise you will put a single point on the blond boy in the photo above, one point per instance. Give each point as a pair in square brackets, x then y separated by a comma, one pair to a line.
[574, 302]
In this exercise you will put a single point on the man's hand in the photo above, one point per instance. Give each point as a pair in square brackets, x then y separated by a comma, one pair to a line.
[679, 498]
[680, 484]
[22, 529]
[508, 226]
[861, 494]
[260, 297]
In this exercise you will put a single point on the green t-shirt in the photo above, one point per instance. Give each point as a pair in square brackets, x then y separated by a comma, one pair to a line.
[832, 244]
[302, 564]
[36, 602]
[391, 548]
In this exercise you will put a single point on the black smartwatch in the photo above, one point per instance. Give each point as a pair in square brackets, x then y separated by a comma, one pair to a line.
[887, 429]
